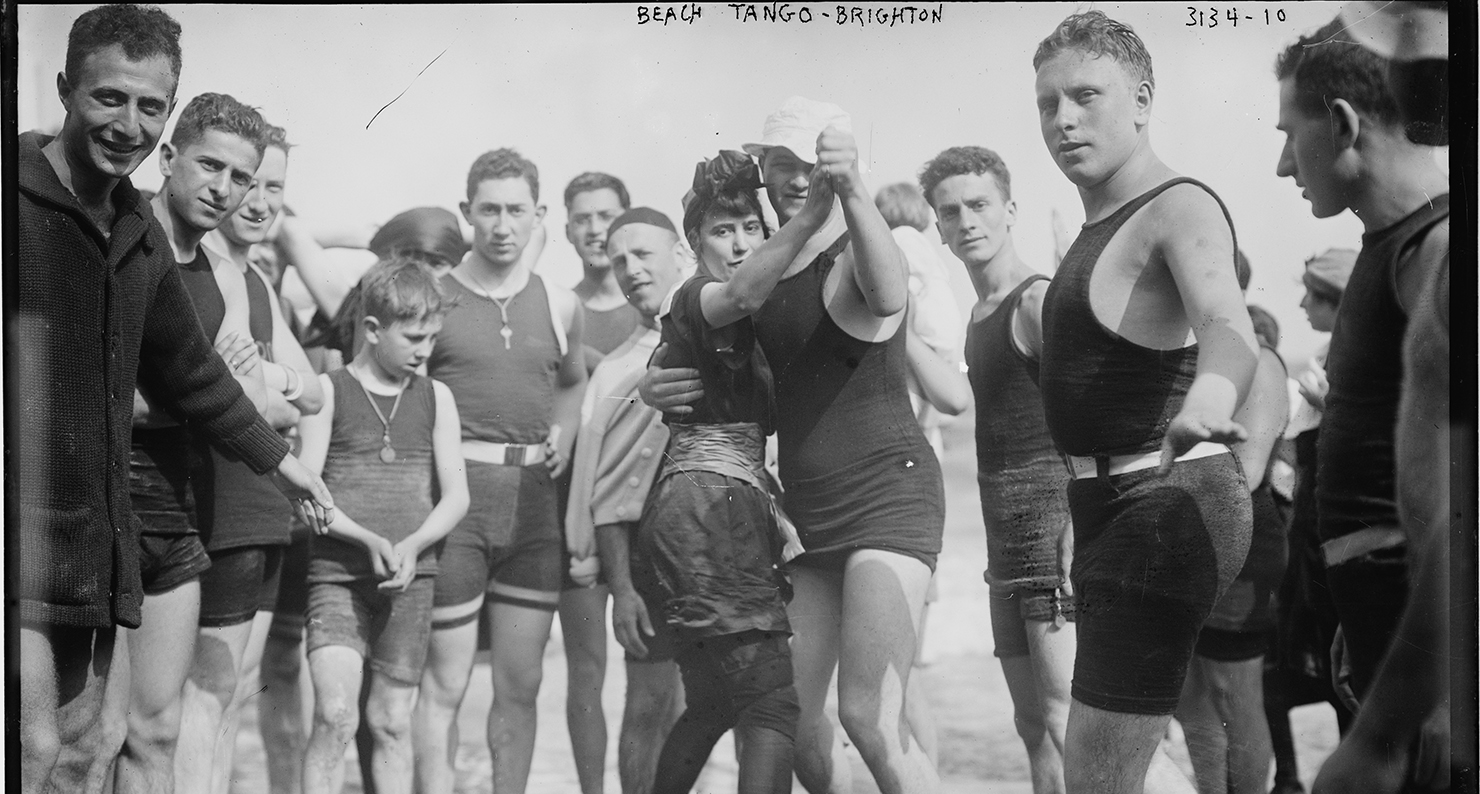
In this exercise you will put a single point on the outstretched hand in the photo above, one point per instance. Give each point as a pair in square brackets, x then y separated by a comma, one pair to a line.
[669, 390]
[1186, 432]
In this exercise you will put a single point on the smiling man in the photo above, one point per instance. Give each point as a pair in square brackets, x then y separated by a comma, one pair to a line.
[99, 304]
[208, 165]
[1147, 352]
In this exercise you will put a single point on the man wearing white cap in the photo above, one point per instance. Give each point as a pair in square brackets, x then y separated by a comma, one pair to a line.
[862, 483]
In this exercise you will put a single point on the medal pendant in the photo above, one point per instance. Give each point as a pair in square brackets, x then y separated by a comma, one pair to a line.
[387, 455]
[508, 334]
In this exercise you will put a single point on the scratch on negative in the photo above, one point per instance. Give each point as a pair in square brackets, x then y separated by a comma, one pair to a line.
[404, 90]
[696, 483]
[1331, 39]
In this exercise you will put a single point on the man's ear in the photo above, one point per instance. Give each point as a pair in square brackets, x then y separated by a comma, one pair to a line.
[1346, 124]
[64, 91]
[1144, 95]
[466, 209]
[539, 212]
[167, 155]
[1010, 210]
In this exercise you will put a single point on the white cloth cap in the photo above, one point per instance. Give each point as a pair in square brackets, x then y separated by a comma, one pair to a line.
[796, 126]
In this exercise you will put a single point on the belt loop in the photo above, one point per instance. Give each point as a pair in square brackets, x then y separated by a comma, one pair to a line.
[1102, 468]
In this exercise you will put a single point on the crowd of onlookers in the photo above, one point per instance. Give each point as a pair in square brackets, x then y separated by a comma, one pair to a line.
[232, 456]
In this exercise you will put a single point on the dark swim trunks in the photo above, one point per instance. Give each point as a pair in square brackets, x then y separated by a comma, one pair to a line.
[1152, 555]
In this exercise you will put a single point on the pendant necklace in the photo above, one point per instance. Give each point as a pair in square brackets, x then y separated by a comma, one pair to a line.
[387, 453]
[503, 311]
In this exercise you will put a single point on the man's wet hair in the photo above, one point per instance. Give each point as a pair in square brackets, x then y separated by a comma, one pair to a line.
[223, 113]
[902, 204]
[959, 160]
[595, 180]
[1094, 33]
[142, 31]
[1328, 64]
[401, 288]
[503, 164]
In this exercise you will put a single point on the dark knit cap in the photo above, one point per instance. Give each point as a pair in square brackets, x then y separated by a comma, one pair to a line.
[429, 230]
[646, 215]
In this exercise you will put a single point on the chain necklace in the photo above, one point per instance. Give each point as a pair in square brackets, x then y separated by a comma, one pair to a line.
[503, 310]
[387, 453]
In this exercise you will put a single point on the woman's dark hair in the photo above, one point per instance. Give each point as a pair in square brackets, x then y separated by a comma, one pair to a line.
[726, 184]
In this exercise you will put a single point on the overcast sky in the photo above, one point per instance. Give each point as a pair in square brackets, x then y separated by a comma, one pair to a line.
[586, 87]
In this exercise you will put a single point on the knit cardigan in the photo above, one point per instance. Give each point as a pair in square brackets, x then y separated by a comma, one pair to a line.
[92, 316]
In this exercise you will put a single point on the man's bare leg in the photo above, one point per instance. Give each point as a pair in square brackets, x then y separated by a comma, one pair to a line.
[1045, 763]
[1109, 752]
[248, 685]
[444, 682]
[518, 637]
[281, 712]
[816, 616]
[583, 627]
[64, 674]
[654, 701]
[883, 594]
[917, 701]
[207, 698]
[160, 653]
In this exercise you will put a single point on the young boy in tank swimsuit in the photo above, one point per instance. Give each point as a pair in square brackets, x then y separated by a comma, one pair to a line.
[386, 440]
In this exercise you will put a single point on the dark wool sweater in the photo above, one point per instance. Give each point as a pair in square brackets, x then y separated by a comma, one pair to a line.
[91, 314]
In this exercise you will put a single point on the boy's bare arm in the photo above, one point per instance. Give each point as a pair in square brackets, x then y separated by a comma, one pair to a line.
[570, 388]
[1198, 251]
[630, 622]
[879, 267]
[452, 484]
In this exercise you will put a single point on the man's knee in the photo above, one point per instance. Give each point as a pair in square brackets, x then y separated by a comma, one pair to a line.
[337, 716]
[1030, 724]
[213, 670]
[389, 719]
[517, 684]
[281, 661]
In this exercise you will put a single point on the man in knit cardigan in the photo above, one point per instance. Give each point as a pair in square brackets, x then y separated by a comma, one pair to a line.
[98, 305]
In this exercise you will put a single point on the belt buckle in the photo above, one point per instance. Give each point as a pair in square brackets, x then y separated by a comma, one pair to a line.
[514, 454]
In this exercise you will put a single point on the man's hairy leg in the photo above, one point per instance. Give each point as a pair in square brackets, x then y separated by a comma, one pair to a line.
[654, 701]
[816, 616]
[444, 681]
[63, 678]
[160, 653]
[1109, 752]
[518, 636]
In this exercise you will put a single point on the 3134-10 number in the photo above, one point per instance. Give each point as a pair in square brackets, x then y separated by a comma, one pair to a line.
[1197, 17]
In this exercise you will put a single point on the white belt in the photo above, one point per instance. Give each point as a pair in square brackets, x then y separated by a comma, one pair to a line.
[505, 454]
[1087, 466]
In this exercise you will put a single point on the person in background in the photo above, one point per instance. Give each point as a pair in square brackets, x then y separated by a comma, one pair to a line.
[1299, 671]
[1222, 707]
[592, 201]
[1025, 512]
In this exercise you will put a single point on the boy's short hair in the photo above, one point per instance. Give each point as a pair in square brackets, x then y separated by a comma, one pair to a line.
[902, 204]
[220, 112]
[503, 164]
[401, 287]
[142, 31]
[959, 160]
[1096, 34]
[1328, 64]
[595, 180]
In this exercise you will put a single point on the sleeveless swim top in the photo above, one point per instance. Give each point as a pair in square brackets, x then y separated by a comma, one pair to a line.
[200, 282]
[1102, 393]
[605, 331]
[839, 399]
[1355, 485]
[235, 506]
[389, 499]
[504, 395]
[1010, 429]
